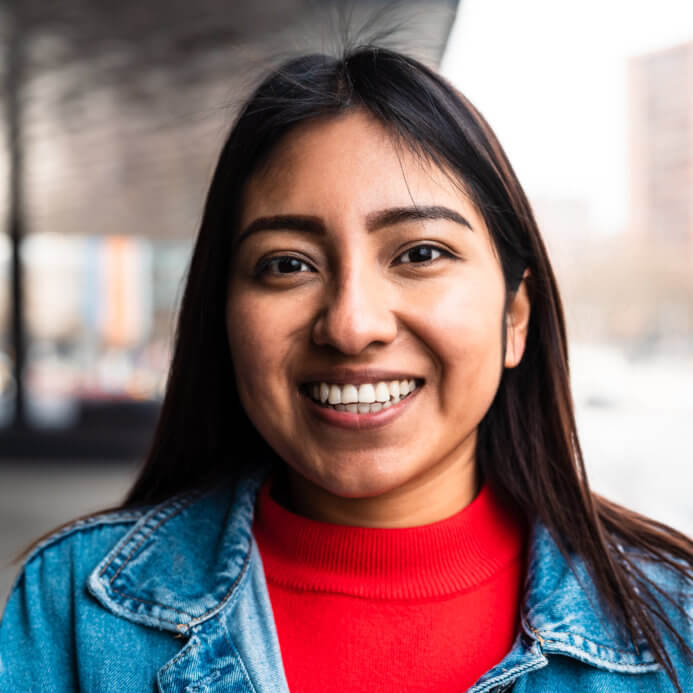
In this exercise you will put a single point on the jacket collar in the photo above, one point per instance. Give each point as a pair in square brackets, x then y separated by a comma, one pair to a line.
[182, 563]
[564, 613]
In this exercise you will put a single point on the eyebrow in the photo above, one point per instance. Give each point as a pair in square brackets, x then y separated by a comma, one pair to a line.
[374, 221]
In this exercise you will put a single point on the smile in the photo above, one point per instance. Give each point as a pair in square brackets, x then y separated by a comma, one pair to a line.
[364, 398]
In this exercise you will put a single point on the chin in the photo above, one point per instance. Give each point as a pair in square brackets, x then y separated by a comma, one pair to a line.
[361, 480]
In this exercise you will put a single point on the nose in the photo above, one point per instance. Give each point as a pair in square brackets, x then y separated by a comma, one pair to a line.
[357, 314]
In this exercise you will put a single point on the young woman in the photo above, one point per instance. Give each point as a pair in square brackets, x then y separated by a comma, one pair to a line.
[366, 473]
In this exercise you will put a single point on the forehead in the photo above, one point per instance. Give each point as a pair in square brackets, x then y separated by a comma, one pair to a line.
[347, 165]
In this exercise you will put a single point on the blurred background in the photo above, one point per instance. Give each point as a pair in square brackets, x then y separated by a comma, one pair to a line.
[113, 115]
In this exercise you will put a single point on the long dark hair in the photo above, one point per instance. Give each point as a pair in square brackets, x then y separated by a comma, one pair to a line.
[528, 446]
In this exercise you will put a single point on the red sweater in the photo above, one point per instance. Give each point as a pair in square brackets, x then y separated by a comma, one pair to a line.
[419, 609]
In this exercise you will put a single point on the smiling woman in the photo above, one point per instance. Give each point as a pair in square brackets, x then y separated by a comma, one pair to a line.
[366, 474]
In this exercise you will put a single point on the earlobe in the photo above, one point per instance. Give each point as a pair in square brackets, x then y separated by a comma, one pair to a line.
[517, 324]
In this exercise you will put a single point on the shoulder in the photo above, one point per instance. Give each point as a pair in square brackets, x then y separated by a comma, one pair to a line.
[43, 616]
[83, 588]
[72, 550]
[78, 546]
[669, 588]
[565, 614]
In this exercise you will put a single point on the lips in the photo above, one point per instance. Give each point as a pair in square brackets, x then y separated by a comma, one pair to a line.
[360, 416]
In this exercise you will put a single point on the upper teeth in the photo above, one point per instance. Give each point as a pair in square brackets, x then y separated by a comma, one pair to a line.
[366, 393]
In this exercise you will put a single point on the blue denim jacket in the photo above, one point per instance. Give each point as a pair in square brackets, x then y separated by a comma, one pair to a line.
[180, 602]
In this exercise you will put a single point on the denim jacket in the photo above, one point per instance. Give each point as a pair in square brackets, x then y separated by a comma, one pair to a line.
[180, 603]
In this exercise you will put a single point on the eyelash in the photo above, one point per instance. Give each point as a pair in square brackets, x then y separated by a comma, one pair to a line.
[436, 249]
[264, 266]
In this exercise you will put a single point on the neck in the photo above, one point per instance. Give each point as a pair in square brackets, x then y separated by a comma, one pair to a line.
[432, 496]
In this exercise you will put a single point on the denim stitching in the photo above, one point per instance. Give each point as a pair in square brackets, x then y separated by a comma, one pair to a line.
[224, 599]
[552, 641]
[195, 620]
[502, 678]
[165, 519]
[239, 658]
[96, 520]
[188, 649]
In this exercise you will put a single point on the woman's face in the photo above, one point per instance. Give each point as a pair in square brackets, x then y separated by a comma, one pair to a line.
[361, 273]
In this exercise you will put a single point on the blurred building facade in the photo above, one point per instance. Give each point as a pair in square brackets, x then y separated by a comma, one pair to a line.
[634, 288]
[661, 146]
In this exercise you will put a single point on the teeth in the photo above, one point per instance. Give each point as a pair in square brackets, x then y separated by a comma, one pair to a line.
[350, 394]
[382, 392]
[335, 396]
[364, 398]
[366, 393]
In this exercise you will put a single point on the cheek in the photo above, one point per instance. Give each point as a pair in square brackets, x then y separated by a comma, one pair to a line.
[463, 328]
[262, 333]
[253, 348]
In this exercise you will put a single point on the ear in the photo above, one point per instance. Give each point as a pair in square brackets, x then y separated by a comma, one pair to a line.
[517, 324]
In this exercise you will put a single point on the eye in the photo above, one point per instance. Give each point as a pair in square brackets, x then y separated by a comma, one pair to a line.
[421, 254]
[285, 264]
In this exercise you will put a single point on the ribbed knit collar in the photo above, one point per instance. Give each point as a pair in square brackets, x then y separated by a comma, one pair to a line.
[427, 562]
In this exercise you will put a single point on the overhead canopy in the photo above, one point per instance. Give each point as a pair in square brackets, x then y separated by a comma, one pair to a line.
[123, 106]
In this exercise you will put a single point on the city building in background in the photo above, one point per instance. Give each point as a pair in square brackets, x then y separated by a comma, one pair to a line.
[114, 120]
[661, 147]
[660, 113]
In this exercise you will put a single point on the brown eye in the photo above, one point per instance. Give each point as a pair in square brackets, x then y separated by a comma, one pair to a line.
[285, 264]
[420, 254]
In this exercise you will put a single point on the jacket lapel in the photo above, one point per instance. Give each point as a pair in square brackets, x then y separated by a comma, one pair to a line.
[190, 566]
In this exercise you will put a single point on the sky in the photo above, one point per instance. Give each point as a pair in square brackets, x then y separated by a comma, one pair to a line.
[551, 79]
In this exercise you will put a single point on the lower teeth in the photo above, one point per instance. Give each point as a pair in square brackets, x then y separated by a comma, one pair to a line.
[362, 408]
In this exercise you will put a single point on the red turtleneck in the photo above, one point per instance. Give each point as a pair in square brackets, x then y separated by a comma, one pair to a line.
[426, 608]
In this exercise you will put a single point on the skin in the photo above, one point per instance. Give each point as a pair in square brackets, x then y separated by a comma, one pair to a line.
[352, 301]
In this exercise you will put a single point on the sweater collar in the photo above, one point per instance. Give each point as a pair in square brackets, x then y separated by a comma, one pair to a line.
[425, 562]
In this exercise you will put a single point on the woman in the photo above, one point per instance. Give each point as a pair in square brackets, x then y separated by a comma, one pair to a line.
[366, 474]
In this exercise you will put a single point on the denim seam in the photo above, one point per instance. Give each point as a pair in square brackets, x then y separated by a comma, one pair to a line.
[223, 600]
[550, 638]
[177, 622]
[190, 647]
[196, 619]
[80, 525]
[238, 658]
[511, 674]
[185, 503]
[596, 661]
[562, 643]
[96, 521]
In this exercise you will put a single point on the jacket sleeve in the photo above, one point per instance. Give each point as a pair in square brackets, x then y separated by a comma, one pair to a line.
[36, 638]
